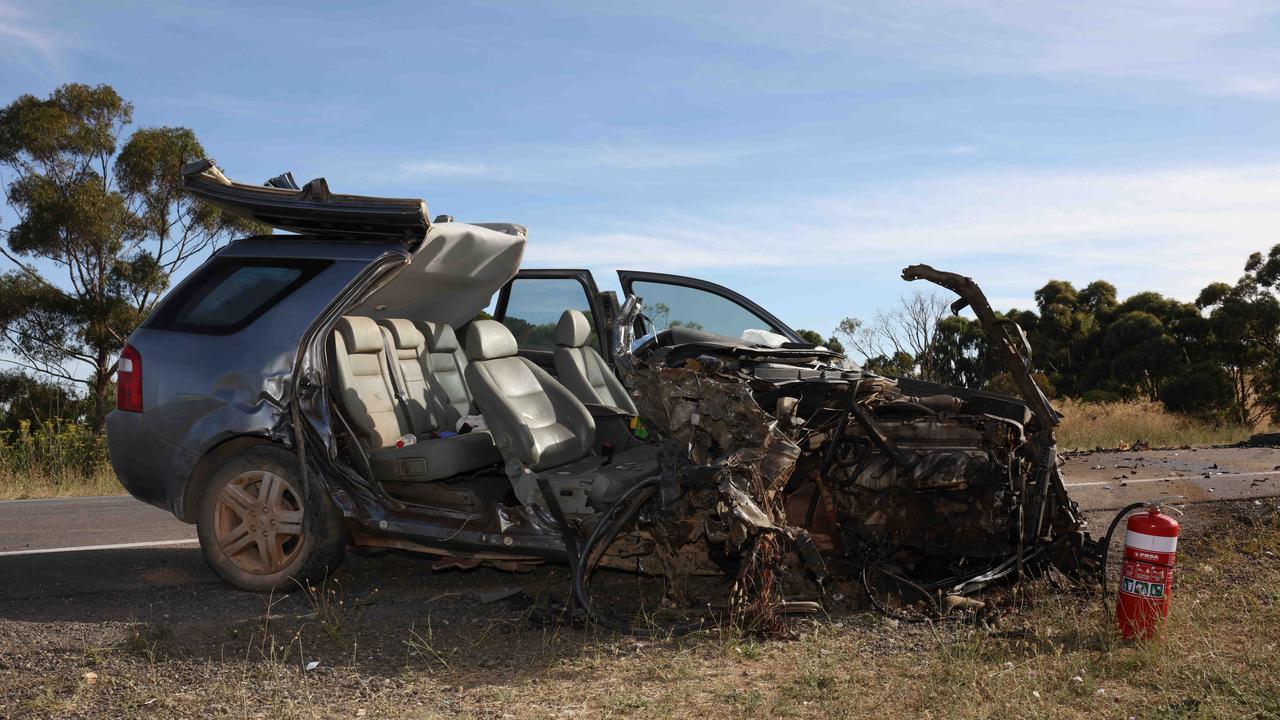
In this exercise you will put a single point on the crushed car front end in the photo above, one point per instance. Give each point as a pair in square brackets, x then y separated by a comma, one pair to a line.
[807, 479]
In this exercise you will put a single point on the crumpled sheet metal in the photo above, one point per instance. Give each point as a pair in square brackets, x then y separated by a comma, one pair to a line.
[718, 423]
[713, 423]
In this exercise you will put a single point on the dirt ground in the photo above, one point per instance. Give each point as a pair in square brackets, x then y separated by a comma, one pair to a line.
[387, 637]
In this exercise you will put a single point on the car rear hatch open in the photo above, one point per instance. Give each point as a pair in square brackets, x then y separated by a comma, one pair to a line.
[312, 208]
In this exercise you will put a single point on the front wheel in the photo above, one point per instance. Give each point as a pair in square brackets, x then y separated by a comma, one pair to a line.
[260, 531]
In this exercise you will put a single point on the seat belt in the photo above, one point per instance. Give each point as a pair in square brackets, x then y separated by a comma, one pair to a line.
[398, 385]
[472, 409]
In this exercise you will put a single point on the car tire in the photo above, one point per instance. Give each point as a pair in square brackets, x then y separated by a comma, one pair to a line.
[260, 529]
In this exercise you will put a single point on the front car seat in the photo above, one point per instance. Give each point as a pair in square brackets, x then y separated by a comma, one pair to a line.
[534, 419]
[581, 368]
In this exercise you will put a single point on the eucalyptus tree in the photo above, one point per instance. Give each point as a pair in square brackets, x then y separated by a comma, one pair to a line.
[98, 229]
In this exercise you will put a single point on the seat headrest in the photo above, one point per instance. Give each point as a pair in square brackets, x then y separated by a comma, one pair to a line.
[573, 329]
[360, 334]
[403, 334]
[440, 337]
[489, 340]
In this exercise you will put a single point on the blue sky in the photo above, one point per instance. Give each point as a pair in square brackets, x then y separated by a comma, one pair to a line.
[799, 152]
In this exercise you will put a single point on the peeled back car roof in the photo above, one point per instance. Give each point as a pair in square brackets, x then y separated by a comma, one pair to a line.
[312, 209]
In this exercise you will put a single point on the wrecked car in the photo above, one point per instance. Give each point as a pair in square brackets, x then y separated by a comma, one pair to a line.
[343, 387]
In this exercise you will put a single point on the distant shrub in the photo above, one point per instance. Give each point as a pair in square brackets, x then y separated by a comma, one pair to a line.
[1003, 383]
[55, 448]
[1203, 389]
[1100, 396]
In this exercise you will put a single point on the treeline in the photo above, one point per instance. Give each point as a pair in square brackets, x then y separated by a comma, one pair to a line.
[1216, 357]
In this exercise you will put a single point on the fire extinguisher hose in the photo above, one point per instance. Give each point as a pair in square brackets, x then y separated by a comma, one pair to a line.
[1106, 545]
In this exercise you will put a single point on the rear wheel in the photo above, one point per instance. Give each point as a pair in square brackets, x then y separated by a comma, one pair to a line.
[260, 530]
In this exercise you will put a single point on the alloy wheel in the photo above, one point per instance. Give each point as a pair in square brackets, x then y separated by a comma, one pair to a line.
[258, 522]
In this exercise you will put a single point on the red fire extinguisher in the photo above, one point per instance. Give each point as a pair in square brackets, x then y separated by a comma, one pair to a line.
[1146, 580]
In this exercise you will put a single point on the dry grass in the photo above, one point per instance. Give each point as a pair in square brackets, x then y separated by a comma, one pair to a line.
[26, 485]
[1087, 426]
[54, 459]
[1057, 657]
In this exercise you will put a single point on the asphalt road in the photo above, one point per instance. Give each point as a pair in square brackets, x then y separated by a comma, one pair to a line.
[36, 526]
[1111, 480]
[56, 555]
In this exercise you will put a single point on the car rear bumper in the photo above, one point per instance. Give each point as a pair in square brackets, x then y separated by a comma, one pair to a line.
[143, 462]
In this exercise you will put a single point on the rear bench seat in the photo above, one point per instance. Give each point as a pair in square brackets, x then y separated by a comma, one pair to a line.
[451, 399]
[363, 354]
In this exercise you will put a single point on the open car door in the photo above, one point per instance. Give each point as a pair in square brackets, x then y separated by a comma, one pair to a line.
[676, 300]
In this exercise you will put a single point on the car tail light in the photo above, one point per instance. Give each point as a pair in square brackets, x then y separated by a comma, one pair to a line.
[129, 381]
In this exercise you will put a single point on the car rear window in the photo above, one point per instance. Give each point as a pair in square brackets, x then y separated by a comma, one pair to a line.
[228, 294]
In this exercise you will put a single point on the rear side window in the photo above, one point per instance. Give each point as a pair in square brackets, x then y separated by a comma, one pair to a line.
[534, 308]
[228, 294]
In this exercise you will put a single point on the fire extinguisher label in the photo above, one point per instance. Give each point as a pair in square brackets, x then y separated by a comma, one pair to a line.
[1144, 572]
[1144, 580]
[1142, 589]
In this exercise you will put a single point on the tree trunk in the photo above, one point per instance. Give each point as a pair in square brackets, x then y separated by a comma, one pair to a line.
[101, 390]
[1242, 395]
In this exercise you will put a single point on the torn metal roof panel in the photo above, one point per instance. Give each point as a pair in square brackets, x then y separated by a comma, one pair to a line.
[311, 209]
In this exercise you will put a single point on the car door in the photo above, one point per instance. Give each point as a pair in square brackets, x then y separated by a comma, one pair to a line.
[699, 304]
[530, 306]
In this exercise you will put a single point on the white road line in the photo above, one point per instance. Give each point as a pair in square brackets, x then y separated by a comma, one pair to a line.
[1173, 477]
[116, 546]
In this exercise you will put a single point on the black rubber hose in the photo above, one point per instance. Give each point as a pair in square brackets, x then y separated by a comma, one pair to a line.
[1106, 546]
[567, 534]
[615, 518]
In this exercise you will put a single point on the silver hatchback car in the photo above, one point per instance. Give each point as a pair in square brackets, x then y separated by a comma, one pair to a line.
[378, 380]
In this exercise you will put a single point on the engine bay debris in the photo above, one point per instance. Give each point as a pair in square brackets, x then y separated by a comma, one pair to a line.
[802, 478]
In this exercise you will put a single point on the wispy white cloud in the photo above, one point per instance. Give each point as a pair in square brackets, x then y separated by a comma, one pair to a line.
[1211, 46]
[278, 109]
[536, 163]
[443, 169]
[28, 41]
[655, 156]
[1263, 87]
[666, 247]
[1172, 230]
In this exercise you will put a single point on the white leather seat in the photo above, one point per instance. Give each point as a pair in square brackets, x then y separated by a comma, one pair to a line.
[533, 418]
[446, 365]
[581, 369]
[407, 353]
[363, 384]
[362, 377]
